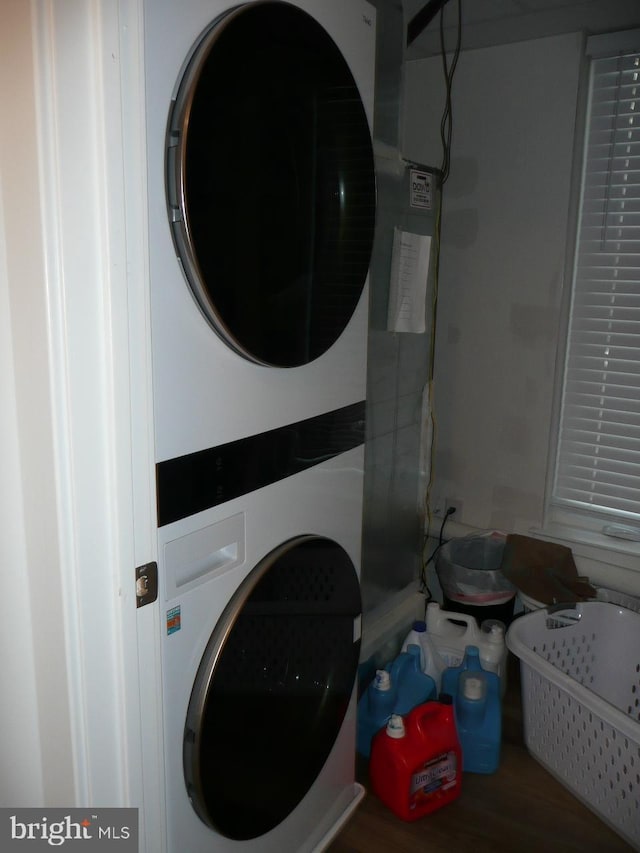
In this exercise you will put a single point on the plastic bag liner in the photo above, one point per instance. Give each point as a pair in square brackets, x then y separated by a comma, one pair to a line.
[469, 570]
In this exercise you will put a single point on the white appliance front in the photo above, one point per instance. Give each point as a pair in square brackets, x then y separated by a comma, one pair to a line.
[261, 194]
[260, 650]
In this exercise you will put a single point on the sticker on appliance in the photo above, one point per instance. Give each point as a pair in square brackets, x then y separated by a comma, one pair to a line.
[420, 195]
[173, 620]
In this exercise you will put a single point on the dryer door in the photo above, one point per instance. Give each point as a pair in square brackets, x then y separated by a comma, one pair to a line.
[273, 687]
[271, 185]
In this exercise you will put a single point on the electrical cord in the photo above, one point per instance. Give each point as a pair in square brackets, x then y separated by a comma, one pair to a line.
[446, 123]
[446, 135]
[424, 586]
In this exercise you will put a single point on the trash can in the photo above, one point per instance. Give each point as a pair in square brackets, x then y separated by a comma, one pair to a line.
[472, 582]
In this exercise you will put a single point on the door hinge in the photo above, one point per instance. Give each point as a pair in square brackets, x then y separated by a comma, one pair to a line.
[146, 584]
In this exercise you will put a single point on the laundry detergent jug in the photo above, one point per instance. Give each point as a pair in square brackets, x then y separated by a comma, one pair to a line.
[396, 689]
[469, 663]
[452, 632]
[375, 706]
[416, 761]
[430, 660]
[479, 721]
[413, 686]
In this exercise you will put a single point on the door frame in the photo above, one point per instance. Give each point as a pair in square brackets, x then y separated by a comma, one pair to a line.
[90, 116]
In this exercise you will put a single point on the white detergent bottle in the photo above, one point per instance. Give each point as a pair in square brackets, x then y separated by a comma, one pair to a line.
[452, 632]
[431, 662]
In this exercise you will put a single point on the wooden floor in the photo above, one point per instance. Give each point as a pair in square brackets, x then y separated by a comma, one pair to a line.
[520, 808]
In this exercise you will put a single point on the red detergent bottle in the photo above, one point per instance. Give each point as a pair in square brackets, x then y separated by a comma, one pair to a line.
[416, 762]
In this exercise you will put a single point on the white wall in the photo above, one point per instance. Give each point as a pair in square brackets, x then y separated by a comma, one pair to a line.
[505, 226]
[22, 777]
[35, 734]
[487, 22]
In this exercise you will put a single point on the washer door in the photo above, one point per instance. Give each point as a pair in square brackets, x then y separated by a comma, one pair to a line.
[271, 183]
[273, 687]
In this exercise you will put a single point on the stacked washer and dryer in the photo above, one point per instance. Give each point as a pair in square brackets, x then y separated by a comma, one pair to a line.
[261, 194]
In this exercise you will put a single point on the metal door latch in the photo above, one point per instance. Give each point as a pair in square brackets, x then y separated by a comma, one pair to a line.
[146, 584]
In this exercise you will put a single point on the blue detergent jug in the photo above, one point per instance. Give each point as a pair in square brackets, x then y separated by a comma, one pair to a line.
[412, 684]
[470, 661]
[478, 712]
[397, 689]
[479, 720]
[374, 709]
[430, 660]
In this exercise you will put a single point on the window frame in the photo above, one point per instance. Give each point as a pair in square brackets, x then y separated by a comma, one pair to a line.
[562, 521]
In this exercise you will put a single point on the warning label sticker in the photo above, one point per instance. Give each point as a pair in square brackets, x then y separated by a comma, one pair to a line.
[420, 190]
[173, 620]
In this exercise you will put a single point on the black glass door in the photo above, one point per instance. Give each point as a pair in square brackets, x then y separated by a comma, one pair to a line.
[273, 688]
[271, 184]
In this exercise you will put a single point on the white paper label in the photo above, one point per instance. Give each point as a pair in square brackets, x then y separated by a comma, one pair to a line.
[408, 286]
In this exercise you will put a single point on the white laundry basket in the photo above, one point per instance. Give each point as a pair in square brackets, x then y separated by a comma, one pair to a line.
[580, 668]
[603, 593]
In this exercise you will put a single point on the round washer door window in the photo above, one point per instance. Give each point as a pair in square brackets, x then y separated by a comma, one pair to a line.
[273, 688]
[271, 183]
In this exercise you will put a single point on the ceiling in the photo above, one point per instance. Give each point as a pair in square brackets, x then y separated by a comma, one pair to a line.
[488, 22]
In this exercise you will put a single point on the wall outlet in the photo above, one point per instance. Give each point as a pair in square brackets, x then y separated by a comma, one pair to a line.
[440, 504]
[457, 505]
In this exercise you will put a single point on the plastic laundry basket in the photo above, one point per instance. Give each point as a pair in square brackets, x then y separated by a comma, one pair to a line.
[603, 593]
[581, 713]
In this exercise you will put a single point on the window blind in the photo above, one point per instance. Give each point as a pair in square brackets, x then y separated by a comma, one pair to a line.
[598, 461]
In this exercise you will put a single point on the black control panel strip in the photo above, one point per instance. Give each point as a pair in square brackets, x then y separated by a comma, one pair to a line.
[198, 481]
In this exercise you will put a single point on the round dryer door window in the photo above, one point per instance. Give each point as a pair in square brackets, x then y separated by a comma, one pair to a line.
[273, 688]
[271, 183]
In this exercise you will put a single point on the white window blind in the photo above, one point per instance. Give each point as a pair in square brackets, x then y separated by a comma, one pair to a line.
[598, 461]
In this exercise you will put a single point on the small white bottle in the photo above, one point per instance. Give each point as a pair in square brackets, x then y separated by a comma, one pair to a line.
[493, 650]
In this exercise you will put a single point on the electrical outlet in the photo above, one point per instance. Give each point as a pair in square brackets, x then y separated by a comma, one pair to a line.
[438, 506]
[456, 505]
